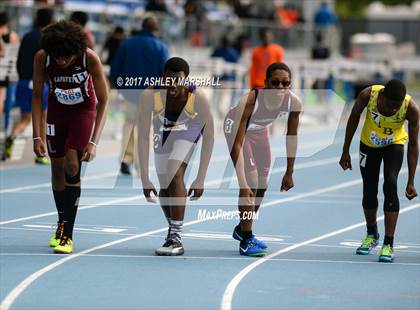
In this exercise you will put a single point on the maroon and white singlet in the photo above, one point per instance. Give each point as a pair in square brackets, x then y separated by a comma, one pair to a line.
[256, 145]
[71, 106]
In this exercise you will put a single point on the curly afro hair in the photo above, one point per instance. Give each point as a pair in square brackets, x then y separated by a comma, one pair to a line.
[63, 39]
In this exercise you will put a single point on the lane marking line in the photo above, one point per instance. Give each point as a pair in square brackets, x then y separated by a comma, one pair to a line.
[226, 303]
[183, 257]
[116, 173]
[131, 198]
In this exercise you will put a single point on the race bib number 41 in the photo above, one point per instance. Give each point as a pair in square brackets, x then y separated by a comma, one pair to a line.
[69, 96]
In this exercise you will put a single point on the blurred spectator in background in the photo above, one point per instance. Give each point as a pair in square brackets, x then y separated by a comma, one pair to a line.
[242, 8]
[194, 8]
[288, 15]
[55, 2]
[31, 44]
[7, 36]
[2, 49]
[241, 43]
[82, 19]
[195, 12]
[301, 17]
[197, 36]
[141, 55]
[263, 10]
[112, 43]
[320, 50]
[174, 23]
[156, 6]
[228, 54]
[109, 50]
[262, 56]
[324, 16]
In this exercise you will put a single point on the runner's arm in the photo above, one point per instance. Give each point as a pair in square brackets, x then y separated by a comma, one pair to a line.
[207, 126]
[38, 78]
[353, 121]
[101, 90]
[292, 133]
[413, 140]
[144, 124]
[242, 116]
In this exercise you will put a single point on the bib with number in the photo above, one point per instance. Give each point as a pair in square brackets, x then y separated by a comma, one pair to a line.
[69, 96]
[379, 130]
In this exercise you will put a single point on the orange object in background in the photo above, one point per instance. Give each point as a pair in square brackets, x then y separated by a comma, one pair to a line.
[287, 17]
[197, 39]
[262, 57]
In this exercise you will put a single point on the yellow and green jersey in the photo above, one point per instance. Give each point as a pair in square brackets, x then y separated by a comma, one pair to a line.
[379, 130]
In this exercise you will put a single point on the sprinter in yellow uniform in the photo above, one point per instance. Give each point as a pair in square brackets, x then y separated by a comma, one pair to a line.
[382, 139]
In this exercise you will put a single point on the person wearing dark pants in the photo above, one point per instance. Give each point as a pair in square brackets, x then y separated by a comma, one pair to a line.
[382, 140]
[30, 45]
[141, 56]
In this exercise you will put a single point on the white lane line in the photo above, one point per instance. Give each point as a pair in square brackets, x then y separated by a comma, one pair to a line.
[185, 235]
[115, 174]
[78, 231]
[48, 184]
[94, 229]
[401, 243]
[183, 257]
[303, 146]
[88, 225]
[226, 303]
[310, 164]
[25, 166]
[324, 190]
[227, 232]
[131, 198]
[11, 297]
[207, 236]
[107, 203]
[398, 247]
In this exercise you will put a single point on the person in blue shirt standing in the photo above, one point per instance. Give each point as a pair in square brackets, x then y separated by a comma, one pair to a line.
[324, 16]
[228, 78]
[30, 45]
[228, 53]
[142, 55]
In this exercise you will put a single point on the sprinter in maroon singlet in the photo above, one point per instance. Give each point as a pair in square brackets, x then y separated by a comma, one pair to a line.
[74, 124]
[246, 129]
